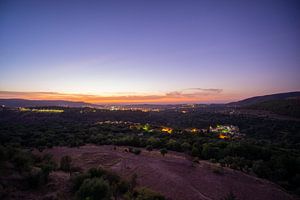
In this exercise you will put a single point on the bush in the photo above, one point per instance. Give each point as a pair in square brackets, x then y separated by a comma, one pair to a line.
[149, 148]
[122, 187]
[195, 151]
[117, 186]
[2, 153]
[218, 170]
[96, 172]
[163, 151]
[35, 178]
[78, 180]
[93, 189]
[136, 151]
[185, 146]
[65, 163]
[210, 151]
[261, 169]
[147, 194]
[22, 161]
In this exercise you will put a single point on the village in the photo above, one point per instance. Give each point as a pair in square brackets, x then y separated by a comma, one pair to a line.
[220, 131]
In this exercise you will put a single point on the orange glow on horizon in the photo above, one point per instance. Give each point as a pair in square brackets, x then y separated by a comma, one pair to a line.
[98, 99]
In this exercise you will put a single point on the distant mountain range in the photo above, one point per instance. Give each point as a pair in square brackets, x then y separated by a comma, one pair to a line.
[250, 102]
[34, 103]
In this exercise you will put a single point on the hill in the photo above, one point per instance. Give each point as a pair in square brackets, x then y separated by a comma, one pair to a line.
[271, 97]
[283, 104]
[34, 103]
[288, 107]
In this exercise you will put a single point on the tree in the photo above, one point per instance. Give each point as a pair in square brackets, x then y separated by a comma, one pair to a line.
[65, 163]
[173, 145]
[136, 151]
[185, 146]
[210, 151]
[261, 169]
[94, 189]
[120, 188]
[132, 182]
[153, 142]
[22, 161]
[2, 154]
[34, 178]
[195, 151]
[163, 151]
[149, 148]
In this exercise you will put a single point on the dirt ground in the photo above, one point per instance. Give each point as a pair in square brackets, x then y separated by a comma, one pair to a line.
[173, 175]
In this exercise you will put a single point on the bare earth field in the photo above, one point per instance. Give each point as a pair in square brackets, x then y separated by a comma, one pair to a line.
[173, 175]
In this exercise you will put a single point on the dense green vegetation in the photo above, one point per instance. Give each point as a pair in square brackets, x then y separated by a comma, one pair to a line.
[97, 184]
[32, 172]
[270, 148]
[288, 107]
[23, 170]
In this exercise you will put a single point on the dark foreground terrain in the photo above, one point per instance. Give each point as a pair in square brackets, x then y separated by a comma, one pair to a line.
[173, 175]
[187, 152]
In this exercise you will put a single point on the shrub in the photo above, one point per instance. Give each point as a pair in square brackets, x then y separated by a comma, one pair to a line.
[261, 169]
[163, 151]
[149, 148]
[2, 153]
[218, 170]
[35, 178]
[185, 146]
[65, 163]
[147, 194]
[96, 172]
[117, 186]
[210, 151]
[78, 180]
[195, 151]
[122, 187]
[22, 161]
[93, 189]
[136, 151]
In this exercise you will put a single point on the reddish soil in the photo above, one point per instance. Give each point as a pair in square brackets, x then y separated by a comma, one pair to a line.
[173, 175]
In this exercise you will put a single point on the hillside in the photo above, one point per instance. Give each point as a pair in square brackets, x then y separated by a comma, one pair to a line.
[179, 178]
[288, 107]
[287, 104]
[260, 99]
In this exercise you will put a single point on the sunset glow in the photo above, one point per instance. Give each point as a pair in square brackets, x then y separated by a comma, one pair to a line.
[148, 52]
[172, 97]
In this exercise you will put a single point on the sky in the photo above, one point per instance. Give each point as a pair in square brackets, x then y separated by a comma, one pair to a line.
[148, 51]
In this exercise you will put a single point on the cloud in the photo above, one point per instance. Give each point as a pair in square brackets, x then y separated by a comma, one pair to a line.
[194, 93]
[182, 96]
[212, 90]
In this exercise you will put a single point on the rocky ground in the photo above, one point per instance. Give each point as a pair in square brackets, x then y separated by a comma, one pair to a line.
[173, 175]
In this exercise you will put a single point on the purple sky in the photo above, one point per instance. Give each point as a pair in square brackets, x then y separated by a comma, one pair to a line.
[146, 48]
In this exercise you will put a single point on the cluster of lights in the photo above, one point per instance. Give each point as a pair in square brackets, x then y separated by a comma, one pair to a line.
[225, 132]
[116, 108]
[167, 130]
[41, 110]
